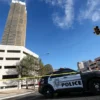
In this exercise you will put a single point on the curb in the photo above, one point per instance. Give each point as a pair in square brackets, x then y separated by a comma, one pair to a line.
[8, 97]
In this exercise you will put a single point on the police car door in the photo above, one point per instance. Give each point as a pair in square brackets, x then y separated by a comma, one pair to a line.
[53, 80]
[68, 80]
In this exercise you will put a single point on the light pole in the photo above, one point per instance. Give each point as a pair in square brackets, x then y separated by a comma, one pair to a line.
[39, 59]
[45, 54]
[40, 62]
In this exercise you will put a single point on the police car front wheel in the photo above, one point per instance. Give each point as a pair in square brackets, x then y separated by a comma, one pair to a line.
[48, 92]
[94, 86]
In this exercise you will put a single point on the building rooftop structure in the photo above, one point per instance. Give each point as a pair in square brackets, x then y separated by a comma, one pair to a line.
[18, 1]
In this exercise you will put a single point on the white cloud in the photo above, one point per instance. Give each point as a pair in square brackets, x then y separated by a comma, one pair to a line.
[55, 2]
[92, 11]
[67, 6]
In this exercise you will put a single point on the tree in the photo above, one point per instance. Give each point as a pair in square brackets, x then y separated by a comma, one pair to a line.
[48, 69]
[41, 67]
[26, 67]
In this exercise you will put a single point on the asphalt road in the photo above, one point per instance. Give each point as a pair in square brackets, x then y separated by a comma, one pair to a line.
[78, 96]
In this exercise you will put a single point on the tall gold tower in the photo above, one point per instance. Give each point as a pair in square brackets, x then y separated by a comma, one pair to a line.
[15, 28]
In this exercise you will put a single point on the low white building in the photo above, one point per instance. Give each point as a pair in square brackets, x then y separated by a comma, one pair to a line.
[9, 56]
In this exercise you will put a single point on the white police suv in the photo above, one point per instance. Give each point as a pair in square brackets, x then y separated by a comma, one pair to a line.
[68, 80]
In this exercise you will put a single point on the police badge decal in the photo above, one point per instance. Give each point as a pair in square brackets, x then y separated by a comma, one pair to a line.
[56, 82]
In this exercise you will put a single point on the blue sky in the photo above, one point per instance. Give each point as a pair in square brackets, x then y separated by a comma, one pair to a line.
[64, 28]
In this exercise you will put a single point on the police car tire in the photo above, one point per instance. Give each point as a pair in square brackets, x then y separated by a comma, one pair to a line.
[92, 87]
[48, 92]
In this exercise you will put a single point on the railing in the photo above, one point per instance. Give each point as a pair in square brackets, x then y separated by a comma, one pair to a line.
[19, 83]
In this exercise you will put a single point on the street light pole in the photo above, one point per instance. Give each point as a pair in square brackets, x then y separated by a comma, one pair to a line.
[45, 54]
[39, 60]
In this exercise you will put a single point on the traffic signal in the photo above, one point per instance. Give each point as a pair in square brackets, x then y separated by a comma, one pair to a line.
[97, 30]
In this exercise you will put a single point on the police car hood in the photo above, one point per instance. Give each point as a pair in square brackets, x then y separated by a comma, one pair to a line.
[91, 73]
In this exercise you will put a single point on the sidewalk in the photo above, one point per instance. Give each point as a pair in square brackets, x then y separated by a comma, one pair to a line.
[15, 93]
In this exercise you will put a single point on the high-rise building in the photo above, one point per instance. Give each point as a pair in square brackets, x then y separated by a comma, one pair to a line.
[15, 28]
